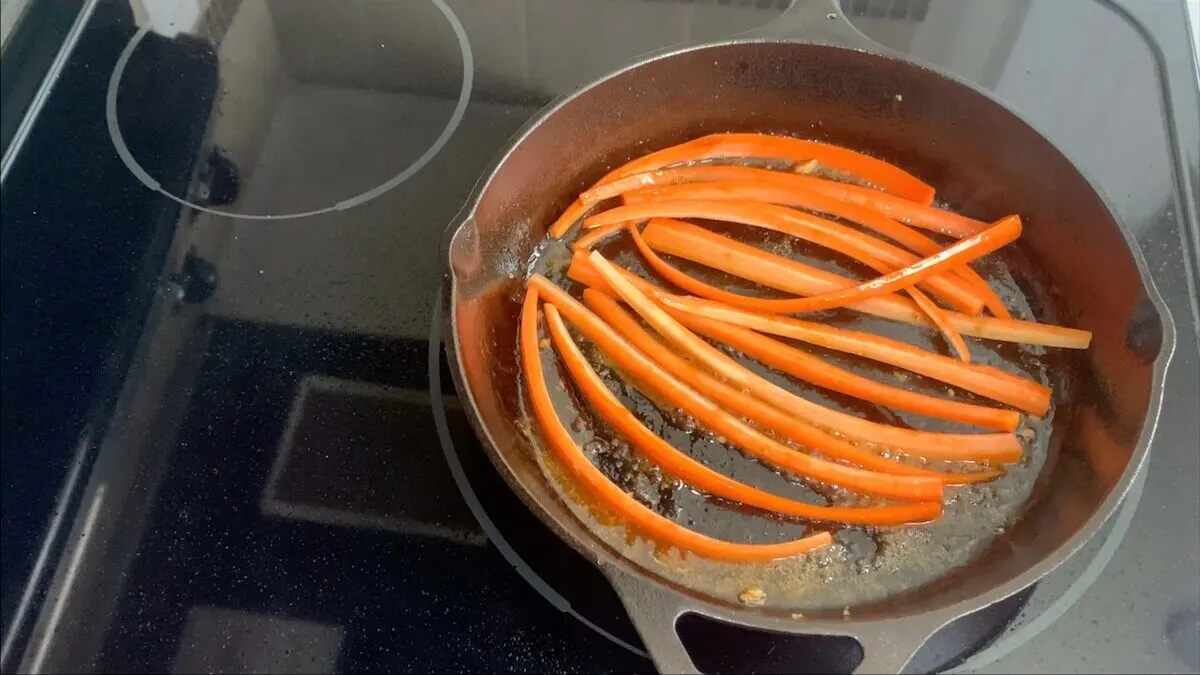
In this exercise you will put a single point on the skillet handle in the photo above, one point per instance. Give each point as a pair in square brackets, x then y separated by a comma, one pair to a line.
[887, 646]
[820, 21]
[654, 611]
[890, 648]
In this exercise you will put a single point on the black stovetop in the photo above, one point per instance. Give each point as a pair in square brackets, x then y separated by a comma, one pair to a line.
[220, 256]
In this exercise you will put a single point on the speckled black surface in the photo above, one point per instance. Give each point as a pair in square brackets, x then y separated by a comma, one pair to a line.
[407, 603]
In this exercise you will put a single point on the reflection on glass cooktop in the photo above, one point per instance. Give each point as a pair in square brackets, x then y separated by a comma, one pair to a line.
[237, 398]
[308, 505]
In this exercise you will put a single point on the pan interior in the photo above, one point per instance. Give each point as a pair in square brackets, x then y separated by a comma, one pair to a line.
[1072, 267]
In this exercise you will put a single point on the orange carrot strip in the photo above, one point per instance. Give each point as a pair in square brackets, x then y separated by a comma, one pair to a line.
[879, 255]
[887, 177]
[1003, 232]
[568, 218]
[988, 381]
[764, 185]
[773, 419]
[609, 493]
[807, 367]
[592, 237]
[991, 300]
[907, 440]
[939, 319]
[698, 475]
[770, 418]
[712, 250]
[706, 290]
[910, 212]
[692, 242]
[718, 420]
[984, 380]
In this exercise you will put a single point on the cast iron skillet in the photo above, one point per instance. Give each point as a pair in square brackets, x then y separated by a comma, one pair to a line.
[812, 75]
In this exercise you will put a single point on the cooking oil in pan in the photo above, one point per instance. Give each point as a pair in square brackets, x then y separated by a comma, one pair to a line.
[863, 564]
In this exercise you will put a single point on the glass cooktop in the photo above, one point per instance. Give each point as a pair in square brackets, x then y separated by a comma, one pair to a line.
[221, 230]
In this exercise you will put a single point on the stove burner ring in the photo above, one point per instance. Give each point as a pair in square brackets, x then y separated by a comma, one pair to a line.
[1005, 644]
[1010, 641]
[460, 109]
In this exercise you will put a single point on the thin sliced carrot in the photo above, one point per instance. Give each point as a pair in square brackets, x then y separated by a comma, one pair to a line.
[769, 417]
[996, 384]
[939, 319]
[878, 254]
[1021, 331]
[629, 187]
[988, 381]
[712, 250]
[887, 177]
[567, 218]
[765, 185]
[609, 494]
[694, 243]
[1003, 232]
[983, 290]
[807, 367]
[592, 237]
[984, 447]
[706, 290]
[912, 213]
[772, 419]
[698, 475]
[768, 191]
[718, 420]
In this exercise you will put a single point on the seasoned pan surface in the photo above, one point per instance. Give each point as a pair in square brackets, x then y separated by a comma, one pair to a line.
[864, 564]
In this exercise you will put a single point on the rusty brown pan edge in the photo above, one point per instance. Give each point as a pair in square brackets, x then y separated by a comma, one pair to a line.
[654, 603]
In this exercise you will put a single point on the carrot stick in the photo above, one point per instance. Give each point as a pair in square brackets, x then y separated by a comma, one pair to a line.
[983, 291]
[698, 475]
[764, 185]
[770, 418]
[1003, 232]
[612, 496]
[706, 290]
[912, 213]
[984, 380]
[718, 420]
[568, 218]
[1024, 332]
[988, 381]
[807, 367]
[691, 242]
[939, 319]
[592, 237]
[696, 244]
[907, 440]
[773, 419]
[886, 177]
[879, 255]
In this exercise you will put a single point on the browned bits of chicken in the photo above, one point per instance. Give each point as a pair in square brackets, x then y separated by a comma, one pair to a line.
[752, 596]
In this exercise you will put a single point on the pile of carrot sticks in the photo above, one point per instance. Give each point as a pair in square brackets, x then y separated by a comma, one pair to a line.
[661, 335]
